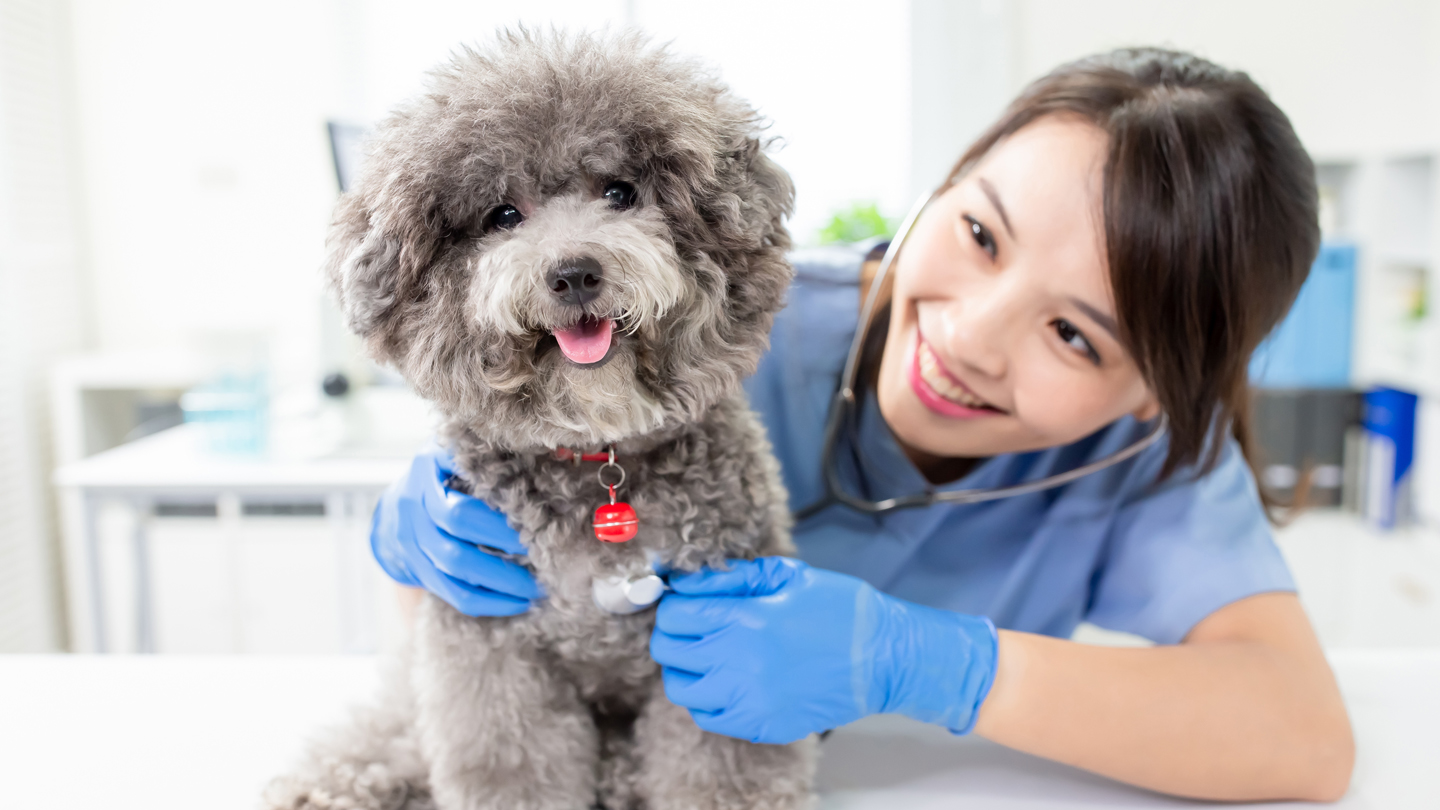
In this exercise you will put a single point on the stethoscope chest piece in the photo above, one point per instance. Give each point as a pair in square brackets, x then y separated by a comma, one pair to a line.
[623, 595]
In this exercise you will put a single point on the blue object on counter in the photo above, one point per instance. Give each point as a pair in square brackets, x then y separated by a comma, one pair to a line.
[1311, 347]
[233, 413]
[1389, 422]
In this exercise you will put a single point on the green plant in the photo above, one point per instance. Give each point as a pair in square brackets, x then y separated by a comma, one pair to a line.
[857, 223]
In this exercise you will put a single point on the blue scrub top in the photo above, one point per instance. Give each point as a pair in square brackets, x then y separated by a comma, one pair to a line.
[1113, 548]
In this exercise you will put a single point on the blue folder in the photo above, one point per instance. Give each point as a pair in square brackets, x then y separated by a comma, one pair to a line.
[1311, 347]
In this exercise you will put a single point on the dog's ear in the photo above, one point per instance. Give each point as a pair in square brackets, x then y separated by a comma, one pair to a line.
[774, 191]
[363, 268]
[368, 276]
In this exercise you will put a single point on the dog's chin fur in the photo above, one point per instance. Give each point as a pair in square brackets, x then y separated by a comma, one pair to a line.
[584, 406]
[562, 708]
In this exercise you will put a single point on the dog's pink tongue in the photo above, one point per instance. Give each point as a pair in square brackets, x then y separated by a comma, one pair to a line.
[587, 341]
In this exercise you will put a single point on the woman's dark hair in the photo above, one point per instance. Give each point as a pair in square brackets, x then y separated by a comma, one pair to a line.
[1210, 224]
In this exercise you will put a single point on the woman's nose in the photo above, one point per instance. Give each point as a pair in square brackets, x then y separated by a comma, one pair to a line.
[982, 323]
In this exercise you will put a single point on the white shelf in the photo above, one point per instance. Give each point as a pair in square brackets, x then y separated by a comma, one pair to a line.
[1386, 204]
[1392, 201]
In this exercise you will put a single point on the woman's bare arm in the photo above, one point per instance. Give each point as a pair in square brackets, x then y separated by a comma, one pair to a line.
[408, 599]
[1245, 708]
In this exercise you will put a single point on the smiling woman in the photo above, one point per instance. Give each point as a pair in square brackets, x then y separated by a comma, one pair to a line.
[1127, 233]
[1001, 300]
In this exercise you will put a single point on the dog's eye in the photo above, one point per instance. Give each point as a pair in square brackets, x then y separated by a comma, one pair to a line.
[503, 217]
[620, 195]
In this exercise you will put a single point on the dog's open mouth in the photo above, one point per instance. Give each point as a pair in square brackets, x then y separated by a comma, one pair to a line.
[587, 342]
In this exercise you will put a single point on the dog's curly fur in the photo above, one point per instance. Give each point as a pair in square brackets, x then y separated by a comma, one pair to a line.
[562, 707]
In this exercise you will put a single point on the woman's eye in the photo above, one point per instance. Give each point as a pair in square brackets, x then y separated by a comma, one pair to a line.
[980, 234]
[620, 195]
[503, 217]
[1075, 340]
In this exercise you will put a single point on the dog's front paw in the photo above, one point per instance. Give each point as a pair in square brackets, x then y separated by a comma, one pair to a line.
[371, 790]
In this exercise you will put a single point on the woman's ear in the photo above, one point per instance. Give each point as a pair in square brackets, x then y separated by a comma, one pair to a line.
[1147, 410]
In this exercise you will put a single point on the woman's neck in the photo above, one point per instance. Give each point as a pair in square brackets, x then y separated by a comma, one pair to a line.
[938, 470]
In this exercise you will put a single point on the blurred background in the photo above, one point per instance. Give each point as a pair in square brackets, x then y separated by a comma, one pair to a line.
[190, 444]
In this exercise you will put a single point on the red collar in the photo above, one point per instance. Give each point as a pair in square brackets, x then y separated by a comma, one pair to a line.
[566, 454]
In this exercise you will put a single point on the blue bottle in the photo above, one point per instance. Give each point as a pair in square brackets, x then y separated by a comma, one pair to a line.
[1389, 423]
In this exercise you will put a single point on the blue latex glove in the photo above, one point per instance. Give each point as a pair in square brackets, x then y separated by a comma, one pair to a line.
[426, 535]
[772, 650]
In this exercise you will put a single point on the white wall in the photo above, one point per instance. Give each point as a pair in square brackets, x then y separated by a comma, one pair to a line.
[834, 80]
[1353, 77]
[40, 307]
[394, 43]
[962, 75]
[207, 176]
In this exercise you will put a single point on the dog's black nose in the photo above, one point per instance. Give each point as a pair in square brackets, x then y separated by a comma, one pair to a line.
[576, 281]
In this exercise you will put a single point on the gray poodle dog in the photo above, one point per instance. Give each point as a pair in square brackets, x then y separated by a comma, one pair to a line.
[571, 245]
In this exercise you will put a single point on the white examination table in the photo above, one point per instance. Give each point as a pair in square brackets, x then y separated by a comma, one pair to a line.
[162, 732]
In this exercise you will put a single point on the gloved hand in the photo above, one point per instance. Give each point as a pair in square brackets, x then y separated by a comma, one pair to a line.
[426, 535]
[772, 650]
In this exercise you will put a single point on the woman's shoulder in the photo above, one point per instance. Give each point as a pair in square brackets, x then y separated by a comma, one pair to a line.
[1143, 477]
[822, 306]
[1195, 493]
[1182, 546]
[832, 265]
[795, 381]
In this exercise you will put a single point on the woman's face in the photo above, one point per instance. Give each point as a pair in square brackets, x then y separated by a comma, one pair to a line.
[1002, 336]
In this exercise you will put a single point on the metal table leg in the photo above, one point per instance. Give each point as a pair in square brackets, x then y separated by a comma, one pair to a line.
[144, 605]
[90, 506]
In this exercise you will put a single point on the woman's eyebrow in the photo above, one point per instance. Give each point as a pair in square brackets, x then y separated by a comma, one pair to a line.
[995, 201]
[1106, 322]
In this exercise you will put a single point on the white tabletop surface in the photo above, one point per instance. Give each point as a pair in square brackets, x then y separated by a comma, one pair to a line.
[176, 459]
[177, 732]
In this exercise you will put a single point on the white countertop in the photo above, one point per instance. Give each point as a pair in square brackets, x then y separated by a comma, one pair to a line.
[176, 732]
[176, 459]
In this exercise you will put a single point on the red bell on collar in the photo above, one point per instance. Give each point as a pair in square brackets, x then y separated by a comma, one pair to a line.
[615, 522]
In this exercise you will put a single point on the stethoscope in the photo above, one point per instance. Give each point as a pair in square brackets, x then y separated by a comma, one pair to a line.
[842, 418]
